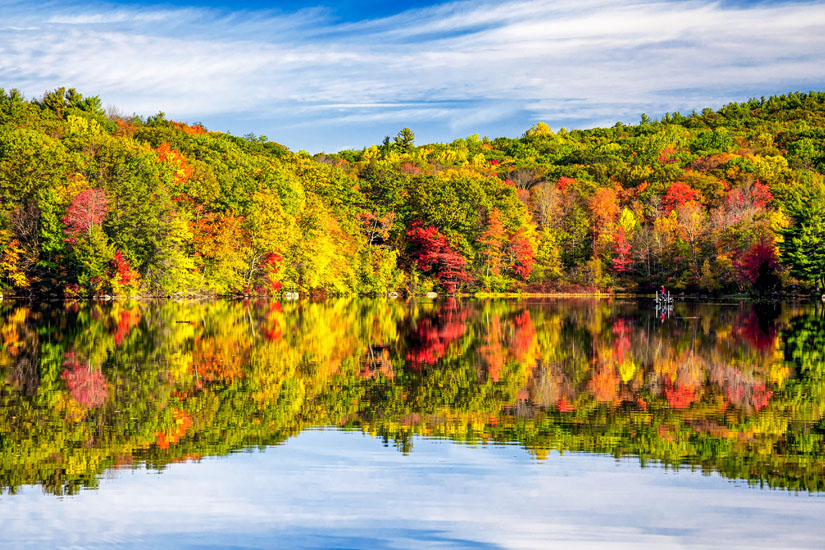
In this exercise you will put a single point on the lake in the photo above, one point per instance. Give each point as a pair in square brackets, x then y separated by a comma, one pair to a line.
[372, 423]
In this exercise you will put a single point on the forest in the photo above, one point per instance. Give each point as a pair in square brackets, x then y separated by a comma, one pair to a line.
[93, 203]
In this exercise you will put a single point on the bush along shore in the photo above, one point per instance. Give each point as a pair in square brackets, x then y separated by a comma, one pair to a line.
[95, 203]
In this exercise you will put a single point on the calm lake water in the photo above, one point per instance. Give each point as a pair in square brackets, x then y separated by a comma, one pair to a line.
[383, 424]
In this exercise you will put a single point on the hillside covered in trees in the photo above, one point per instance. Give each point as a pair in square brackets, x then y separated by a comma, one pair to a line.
[723, 201]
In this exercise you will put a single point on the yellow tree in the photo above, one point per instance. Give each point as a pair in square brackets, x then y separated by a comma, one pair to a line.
[270, 230]
[221, 251]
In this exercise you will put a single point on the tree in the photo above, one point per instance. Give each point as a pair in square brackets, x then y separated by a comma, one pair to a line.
[678, 194]
[522, 254]
[11, 269]
[61, 99]
[538, 129]
[758, 266]
[405, 140]
[375, 227]
[171, 266]
[221, 251]
[177, 161]
[271, 230]
[525, 178]
[548, 257]
[434, 255]
[605, 207]
[574, 238]
[622, 261]
[86, 213]
[545, 204]
[692, 225]
[25, 221]
[124, 278]
[493, 241]
[89, 244]
[803, 245]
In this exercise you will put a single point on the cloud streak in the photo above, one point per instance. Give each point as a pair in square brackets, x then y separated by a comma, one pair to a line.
[447, 66]
[342, 489]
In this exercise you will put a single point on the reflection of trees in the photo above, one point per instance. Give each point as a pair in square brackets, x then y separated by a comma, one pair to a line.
[94, 387]
[20, 341]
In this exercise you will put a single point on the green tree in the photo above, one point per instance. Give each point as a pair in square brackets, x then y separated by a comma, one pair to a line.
[803, 247]
[405, 140]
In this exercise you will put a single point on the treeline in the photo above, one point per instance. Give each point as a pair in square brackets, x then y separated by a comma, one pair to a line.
[723, 201]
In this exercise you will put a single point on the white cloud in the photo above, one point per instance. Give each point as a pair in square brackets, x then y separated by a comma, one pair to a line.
[342, 489]
[611, 57]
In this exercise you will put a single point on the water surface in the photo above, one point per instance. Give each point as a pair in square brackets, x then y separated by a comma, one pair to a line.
[374, 423]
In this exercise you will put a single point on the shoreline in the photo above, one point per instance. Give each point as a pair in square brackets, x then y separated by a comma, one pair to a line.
[597, 295]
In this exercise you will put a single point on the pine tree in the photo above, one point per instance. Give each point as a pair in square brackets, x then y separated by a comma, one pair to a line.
[803, 248]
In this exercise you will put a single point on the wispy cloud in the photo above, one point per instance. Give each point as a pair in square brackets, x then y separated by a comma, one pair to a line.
[341, 489]
[483, 61]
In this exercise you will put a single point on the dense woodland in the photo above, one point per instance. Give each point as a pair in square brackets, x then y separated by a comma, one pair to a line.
[714, 202]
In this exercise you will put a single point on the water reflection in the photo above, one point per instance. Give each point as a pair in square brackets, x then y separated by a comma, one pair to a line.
[736, 389]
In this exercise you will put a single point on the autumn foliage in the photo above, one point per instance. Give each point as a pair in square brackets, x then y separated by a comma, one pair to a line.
[87, 210]
[678, 194]
[87, 385]
[700, 203]
[176, 160]
[759, 265]
[433, 254]
[622, 260]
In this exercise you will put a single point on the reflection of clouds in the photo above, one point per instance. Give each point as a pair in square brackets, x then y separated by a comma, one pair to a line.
[559, 61]
[326, 489]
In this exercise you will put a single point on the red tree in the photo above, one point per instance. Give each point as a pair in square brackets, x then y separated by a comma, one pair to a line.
[622, 262]
[523, 254]
[87, 386]
[761, 194]
[434, 256]
[564, 182]
[88, 210]
[124, 274]
[271, 267]
[676, 195]
[758, 266]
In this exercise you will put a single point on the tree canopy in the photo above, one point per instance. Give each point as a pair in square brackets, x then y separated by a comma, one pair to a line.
[722, 201]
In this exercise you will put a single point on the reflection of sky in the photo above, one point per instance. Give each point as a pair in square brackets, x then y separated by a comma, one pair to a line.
[326, 489]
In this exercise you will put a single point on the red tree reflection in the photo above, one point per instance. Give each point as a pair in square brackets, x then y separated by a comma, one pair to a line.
[87, 386]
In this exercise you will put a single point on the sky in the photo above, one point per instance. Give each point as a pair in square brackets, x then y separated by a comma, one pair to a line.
[331, 489]
[328, 76]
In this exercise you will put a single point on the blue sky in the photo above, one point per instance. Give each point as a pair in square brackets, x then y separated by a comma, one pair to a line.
[328, 76]
[328, 489]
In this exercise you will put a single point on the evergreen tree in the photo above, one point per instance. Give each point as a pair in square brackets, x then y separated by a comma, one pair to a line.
[803, 249]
